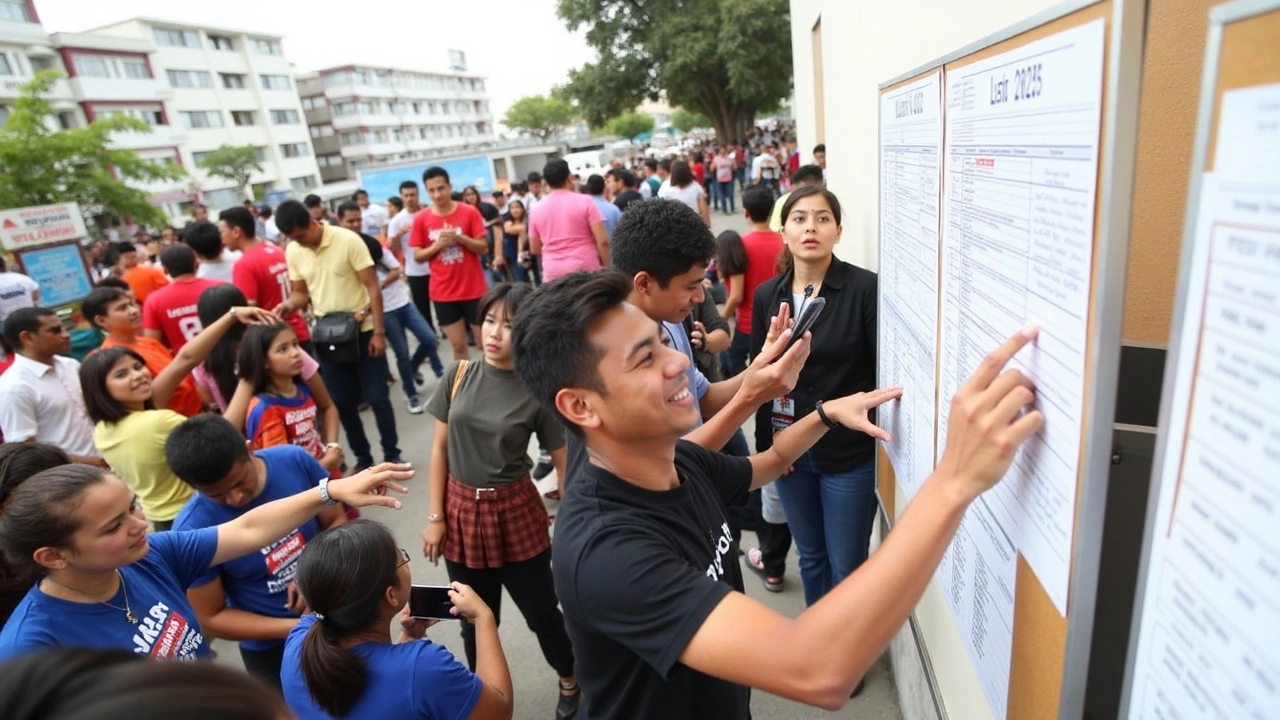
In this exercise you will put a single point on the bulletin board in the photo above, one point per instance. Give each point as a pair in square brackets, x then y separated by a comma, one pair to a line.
[1051, 624]
[1213, 505]
[61, 269]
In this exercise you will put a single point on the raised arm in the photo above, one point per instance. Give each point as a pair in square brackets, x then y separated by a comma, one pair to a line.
[194, 352]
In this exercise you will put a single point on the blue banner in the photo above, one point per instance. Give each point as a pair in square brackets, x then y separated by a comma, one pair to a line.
[382, 184]
[60, 272]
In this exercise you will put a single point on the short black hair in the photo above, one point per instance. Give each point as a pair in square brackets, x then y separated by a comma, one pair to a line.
[238, 217]
[204, 238]
[595, 185]
[347, 207]
[665, 164]
[663, 238]
[550, 346]
[409, 184]
[534, 177]
[819, 148]
[98, 402]
[312, 200]
[22, 320]
[397, 202]
[356, 195]
[95, 303]
[556, 173]
[111, 282]
[291, 215]
[178, 260]
[497, 194]
[203, 449]
[124, 246]
[808, 173]
[758, 202]
[651, 163]
[623, 176]
[435, 171]
[265, 212]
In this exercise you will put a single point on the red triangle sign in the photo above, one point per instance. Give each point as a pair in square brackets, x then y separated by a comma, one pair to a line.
[9, 224]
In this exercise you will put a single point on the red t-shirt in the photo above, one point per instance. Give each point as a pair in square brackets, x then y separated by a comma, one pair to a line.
[186, 398]
[700, 173]
[172, 310]
[456, 274]
[263, 276]
[763, 248]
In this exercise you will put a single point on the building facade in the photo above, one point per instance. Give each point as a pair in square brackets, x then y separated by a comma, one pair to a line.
[361, 117]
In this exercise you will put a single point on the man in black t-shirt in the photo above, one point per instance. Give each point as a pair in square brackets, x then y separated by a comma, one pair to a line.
[621, 185]
[644, 564]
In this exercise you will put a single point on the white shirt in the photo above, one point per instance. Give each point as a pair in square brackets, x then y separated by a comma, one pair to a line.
[44, 402]
[373, 219]
[15, 292]
[412, 268]
[765, 164]
[530, 201]
[272, 233]
[688, 194]
[220, 270]
[395, 295]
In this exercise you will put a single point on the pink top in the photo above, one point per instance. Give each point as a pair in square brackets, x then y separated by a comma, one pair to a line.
[203, 379]
[562, 221]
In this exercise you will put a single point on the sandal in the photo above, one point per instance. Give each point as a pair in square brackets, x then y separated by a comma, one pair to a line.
[755, 564]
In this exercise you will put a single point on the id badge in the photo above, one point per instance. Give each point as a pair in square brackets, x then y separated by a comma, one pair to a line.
[784, 413]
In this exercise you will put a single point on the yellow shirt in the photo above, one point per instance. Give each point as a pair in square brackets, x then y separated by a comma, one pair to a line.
[330, 272]
[775, 220]
[134, 448]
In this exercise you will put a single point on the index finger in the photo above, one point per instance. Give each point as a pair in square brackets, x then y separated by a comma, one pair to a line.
[992, 365]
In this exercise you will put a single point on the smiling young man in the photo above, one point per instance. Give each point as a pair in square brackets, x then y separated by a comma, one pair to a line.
[644, 564]
[252, 599]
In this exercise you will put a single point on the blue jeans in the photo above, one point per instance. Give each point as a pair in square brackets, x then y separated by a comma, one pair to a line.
[347, 384]
[725, 198]
[830, 516]
[408, 318]
[734, 358]
[519, 273]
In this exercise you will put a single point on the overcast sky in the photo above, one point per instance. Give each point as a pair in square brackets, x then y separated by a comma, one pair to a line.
[519, 45]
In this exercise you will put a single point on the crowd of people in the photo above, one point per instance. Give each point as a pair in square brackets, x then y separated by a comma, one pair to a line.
[173, 469]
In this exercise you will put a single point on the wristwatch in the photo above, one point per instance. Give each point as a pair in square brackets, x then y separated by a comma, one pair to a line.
[435, 517]
[822, 415]
[333, 446]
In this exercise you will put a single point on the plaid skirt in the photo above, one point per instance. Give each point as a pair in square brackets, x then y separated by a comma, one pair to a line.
[490, 527]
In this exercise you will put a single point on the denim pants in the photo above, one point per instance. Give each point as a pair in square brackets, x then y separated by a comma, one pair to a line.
[367, 379]
[830, 515]
[726, 195]
[397, 322]
[734, 357]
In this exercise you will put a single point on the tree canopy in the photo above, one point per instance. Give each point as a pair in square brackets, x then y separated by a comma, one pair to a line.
[727, 58]
[686, 120]
[629, 125]
[41, 164]
[539, 116]
[233, 163]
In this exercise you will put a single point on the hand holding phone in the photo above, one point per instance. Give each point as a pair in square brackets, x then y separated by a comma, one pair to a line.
[431, 602]
[812, 310]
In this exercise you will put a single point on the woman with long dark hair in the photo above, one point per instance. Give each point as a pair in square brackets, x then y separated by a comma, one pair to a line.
[340, 661]
[19, 461]
[515, 255]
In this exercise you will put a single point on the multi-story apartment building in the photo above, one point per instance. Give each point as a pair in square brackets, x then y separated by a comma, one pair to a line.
[362, 117]
[226, 87]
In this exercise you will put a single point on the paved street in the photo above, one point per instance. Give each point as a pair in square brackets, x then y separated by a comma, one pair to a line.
[535, 682]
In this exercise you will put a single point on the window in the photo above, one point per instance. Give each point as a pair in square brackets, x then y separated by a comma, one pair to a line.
[267, 47]
[302, 184]
[90, 66]
[15, 10]
[284, 117]
[351, 137]
[275, 82]
[232, 81]
[189, 79]
[177, 38]
[198, 157]
[201, 119]
[40, 63]
[329, 161]
[318, 131]
[4, 113]
[66, 120]
[220, 42]
[136, 69]
[242, 118]
[344, 108]
[292, 150]
[261, 153]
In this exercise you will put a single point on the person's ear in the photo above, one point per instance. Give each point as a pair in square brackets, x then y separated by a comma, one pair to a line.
[100, 321]
[391, 596]
[51, 558]
[578, 407]
[644, 283]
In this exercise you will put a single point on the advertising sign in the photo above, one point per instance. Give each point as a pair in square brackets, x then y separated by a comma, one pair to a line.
[40, 225]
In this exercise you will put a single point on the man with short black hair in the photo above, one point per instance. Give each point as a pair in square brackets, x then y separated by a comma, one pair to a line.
[417, 274]
[261, 273]
[595, 188]
[622, 186]
[568, 232]
[651, 182]
[169, 314]
[373, 218]
[40, 396]
[535, 191]
[216, 262]
[820, 155]
[319, 212]
[645, 566]
[142, 279]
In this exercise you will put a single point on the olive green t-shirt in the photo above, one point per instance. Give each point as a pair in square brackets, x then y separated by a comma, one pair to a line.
[490, 423]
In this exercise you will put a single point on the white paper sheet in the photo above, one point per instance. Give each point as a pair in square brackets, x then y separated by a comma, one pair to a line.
[1022, 136]
[910, 179]
[1209, 639]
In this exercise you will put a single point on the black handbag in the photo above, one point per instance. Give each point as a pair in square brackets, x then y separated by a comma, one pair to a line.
[337, 339]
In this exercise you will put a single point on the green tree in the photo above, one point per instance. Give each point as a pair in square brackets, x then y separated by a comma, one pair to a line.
[727, 58]
[539, 116]
[233, 163]
[629, 125]
[686, 120]
[42, 164]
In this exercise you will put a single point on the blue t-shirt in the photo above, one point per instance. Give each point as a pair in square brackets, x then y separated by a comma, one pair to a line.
[258, 582]
[698, 383]
[157, 589]
[610, 212]
[412, 681]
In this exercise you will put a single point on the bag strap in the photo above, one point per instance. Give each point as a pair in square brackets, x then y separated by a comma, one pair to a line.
[457, 379]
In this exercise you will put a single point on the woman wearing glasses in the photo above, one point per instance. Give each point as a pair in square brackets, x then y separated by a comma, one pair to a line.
[340, 662]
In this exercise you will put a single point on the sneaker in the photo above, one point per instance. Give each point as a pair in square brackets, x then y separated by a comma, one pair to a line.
[567, 706]
[755, 563]
[415, 406]
[543, 468]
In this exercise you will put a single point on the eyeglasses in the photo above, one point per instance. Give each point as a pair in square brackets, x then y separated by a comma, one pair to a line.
[404, 558]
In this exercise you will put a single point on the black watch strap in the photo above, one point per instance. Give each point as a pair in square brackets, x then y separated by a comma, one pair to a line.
[822, 415]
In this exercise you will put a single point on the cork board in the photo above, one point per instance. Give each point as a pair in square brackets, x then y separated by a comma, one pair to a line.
[1039, 632]
[1250, 56]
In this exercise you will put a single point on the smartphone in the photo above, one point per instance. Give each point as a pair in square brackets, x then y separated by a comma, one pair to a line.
[430, 601]
[812, 309]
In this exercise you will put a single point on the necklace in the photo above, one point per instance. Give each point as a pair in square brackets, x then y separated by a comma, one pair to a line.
[127, 610]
